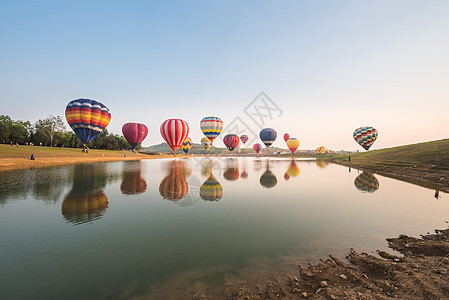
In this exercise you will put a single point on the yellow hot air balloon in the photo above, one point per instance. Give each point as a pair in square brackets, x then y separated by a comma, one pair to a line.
[293, 144]
[206, 143]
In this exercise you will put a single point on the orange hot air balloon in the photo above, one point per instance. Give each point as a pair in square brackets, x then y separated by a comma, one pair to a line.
[293, 144]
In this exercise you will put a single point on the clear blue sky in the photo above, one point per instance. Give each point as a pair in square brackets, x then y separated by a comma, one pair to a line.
[330, 66]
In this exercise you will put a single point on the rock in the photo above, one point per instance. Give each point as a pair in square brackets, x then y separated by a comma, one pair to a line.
[324, 284]
[296, 279]
[343, 276]
[403, 236]
[318, 290]
[304, 295]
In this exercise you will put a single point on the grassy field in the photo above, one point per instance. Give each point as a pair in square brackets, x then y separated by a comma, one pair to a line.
[424, 163]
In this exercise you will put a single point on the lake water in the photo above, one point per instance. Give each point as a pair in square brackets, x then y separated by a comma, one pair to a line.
[175, 227]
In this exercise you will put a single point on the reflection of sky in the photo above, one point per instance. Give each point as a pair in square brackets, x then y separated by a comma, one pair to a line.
[145, 243]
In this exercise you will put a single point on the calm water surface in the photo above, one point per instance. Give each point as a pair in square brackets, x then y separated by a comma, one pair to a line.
[171, 228]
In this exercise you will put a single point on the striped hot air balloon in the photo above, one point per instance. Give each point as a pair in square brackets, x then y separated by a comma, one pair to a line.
[293, 144]
[134, 133]
[366, 182]
[174, 186]
[257, 147]
[174, 132]
[365, 136]
[186, 145]
[231, 141]
[87, 118]
[211, 190]
[268, 136]
[244, 138]
[211, 127]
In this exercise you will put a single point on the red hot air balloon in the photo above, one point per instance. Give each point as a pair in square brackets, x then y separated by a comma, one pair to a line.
[286, 137]
[135, 133]
[231, 141]
[257, 147]
[174, 132]
[244, 138]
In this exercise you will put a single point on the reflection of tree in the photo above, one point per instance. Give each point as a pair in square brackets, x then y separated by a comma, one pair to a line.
[15, 185]
[366, 182]
[56, 179]
[268, 179]
[132, 182]
[86, 201]
[231, 172]
[174, 186]
[211, 190]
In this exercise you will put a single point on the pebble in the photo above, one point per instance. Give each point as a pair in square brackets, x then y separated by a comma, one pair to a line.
[324, 283]
[304, 295]
[403, 236]
[397, 260]
[343, 276]
[296, 279]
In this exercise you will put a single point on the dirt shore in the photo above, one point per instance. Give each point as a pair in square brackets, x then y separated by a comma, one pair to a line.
[421, 272]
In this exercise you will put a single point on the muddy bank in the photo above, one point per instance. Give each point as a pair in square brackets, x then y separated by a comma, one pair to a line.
[420, 272]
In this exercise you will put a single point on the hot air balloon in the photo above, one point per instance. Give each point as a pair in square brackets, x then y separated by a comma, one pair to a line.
[174, 132]
[257, 147]
[134, 133]
[293, 144]
[244, 138]
[174, 186]
[87, 118]
[321, 150]
[231, 141]
[268, 136]
[211, 127]
[366, 182]
[186, 145]
[286, 137]
[206, 143]
[211, 190]
[268, 179]
[132, 183]
[365, 136]
[293, 169]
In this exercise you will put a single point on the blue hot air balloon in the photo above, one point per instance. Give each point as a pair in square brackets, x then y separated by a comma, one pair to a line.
[268, 136]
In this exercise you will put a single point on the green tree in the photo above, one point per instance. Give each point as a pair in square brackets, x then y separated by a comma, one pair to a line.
[5, 123]
[48, 128]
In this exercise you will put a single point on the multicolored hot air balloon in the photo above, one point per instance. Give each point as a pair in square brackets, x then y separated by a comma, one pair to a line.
[206, 143]
[244, 138]
[286, 137]
[186, 145]
[268, 136]
[365, 136]
[134, 133]
[366, 182]
[293, 144]
[174, 132]
[257, 147]
[87, 118]
[211, 127]
[231, 141]
[321, 150]
[174, 186]
[211, 190]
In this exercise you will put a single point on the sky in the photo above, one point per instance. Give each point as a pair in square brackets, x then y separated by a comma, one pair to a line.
[322, 68]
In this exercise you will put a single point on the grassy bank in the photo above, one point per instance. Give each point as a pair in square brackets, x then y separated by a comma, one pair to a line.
[19, 157]
[426, 164]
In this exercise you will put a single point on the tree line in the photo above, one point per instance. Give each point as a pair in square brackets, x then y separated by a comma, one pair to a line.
[52, 132]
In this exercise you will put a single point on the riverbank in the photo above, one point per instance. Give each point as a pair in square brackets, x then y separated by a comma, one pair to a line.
[420, 272]
[424, 164]
[15, 158]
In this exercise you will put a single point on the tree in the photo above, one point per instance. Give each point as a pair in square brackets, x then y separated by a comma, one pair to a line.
[5, 123]
[48, 127]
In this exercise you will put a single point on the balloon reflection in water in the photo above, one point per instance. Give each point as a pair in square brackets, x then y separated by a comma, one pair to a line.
[322, 164]
[231, 172]
[268, 179]
[86, 201]
[257, 165]
[293, 169]
[366, 182]
[211, 190]
[132, 182]
[174, 186]
[286, 176]
[244, 174]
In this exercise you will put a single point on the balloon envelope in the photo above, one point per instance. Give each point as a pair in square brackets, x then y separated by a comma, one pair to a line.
[206, 143]
[257, 147]
[366, 182]
[268, 136]
[293, 144]
[286, 137]
[321, 150]
[211, 127]
[186, 145]
[211, 190]
[231, 141]
[174, 132]
[244, 138]
[134, 133]
[365, 136]
[174, 186]
[87, 118]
